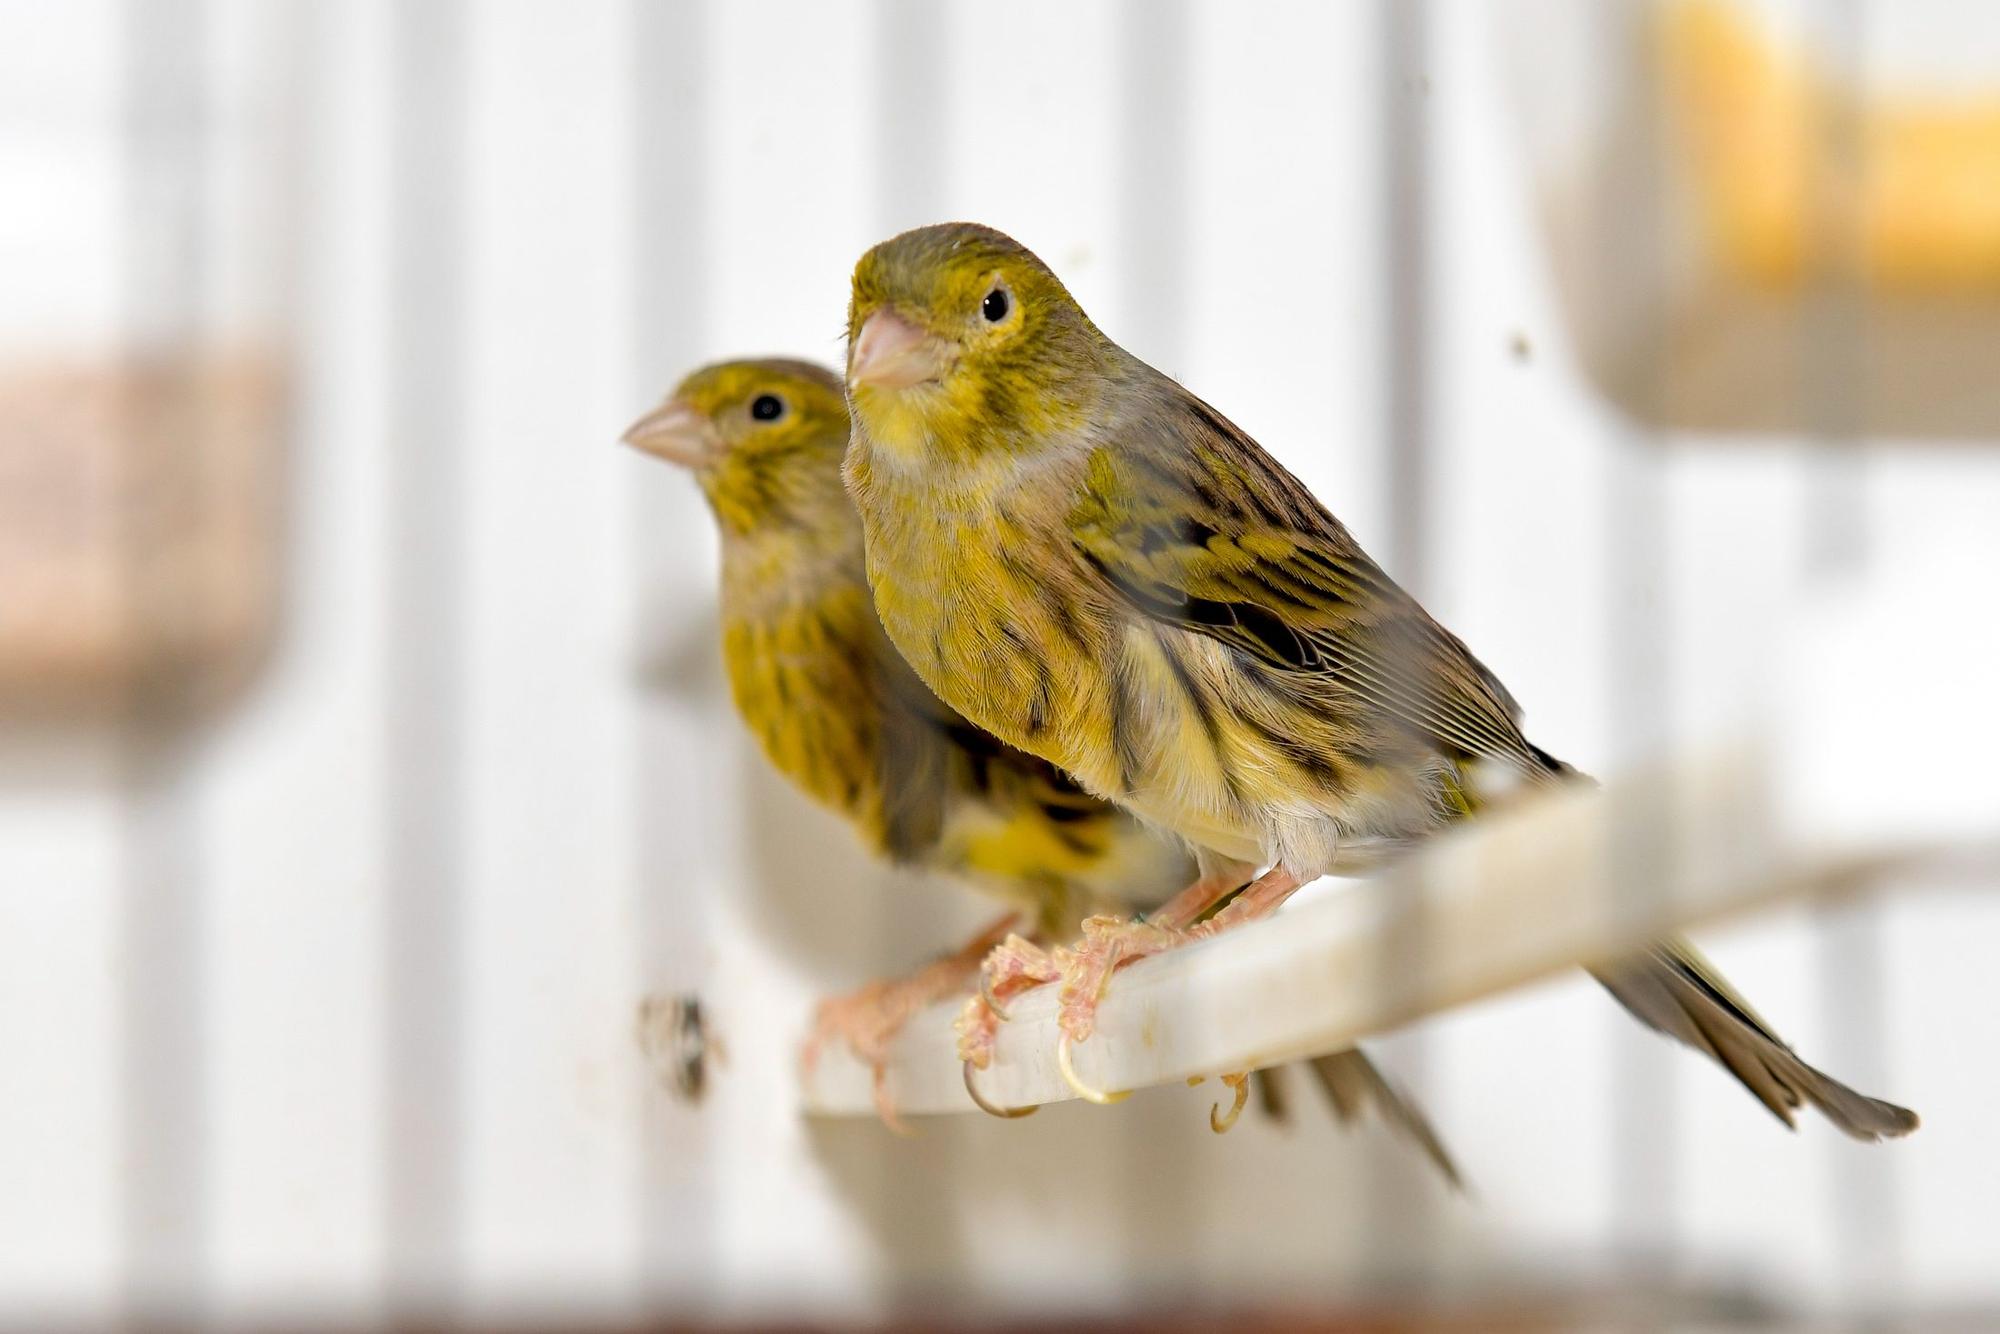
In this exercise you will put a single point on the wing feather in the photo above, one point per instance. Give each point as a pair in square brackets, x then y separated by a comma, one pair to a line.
[1189, 521]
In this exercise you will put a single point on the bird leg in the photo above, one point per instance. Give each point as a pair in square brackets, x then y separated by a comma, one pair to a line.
[867, 1020]
[1109, 943]
[1260, 898]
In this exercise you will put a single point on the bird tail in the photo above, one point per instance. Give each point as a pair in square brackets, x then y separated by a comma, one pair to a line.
[1355, 1087]
[1672, 989]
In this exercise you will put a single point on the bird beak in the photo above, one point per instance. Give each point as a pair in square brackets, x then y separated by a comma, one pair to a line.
[892, 353]
[677, 433]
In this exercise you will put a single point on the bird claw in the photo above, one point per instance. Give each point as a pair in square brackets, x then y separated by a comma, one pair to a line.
[1083, 1090]
[1014, 965]
[867, 1021]
[978, 1029]
[885, 1107]
[986, 994]
[1109, 943]
[1219, 1121]
[979, 1101]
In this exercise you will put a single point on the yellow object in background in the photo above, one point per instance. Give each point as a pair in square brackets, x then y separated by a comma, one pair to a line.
[1797, 177]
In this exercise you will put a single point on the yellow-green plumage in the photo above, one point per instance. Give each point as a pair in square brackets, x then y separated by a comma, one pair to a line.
[1130, 649]
[840, 713]
[1098, 567]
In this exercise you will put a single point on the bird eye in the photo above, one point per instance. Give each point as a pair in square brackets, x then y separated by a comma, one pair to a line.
[767, 407]
[995, 306]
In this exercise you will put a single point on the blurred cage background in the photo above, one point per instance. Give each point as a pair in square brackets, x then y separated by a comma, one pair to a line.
[366, 762]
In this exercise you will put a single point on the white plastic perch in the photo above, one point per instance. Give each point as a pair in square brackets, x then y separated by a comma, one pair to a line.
[1559, 880]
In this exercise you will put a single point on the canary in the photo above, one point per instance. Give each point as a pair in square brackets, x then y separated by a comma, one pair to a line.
[1096, 566]
[839, 712]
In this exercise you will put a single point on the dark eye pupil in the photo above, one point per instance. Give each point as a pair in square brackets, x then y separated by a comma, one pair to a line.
[994, 308]
[767, 407]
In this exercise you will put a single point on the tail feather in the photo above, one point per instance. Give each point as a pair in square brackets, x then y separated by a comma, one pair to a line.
[1672, 989]
[1355, 1087]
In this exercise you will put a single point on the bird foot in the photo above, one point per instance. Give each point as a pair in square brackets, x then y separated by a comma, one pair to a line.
[1013, 966]
[867, 1020]
[1109, 943]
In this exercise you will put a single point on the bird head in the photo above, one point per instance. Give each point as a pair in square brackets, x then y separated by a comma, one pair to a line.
[961, 342]
[764, 439]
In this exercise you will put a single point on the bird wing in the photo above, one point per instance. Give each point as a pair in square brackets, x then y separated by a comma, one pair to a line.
[914, 757]
[931, 756]
[1190, 522]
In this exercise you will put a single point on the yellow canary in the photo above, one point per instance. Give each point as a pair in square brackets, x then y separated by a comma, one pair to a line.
[1096, 566]
[840, 713]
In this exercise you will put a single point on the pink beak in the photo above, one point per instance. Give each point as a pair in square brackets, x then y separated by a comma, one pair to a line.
[892, 353]
[675, 432]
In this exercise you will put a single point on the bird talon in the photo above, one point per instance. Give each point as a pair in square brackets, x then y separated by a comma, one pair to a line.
[1004, 1113]
[992, 1001]
[886, 1108]
[1083, 1090]
[1220, 1123]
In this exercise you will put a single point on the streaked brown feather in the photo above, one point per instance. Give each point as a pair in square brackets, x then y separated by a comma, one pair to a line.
[1270, 572]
